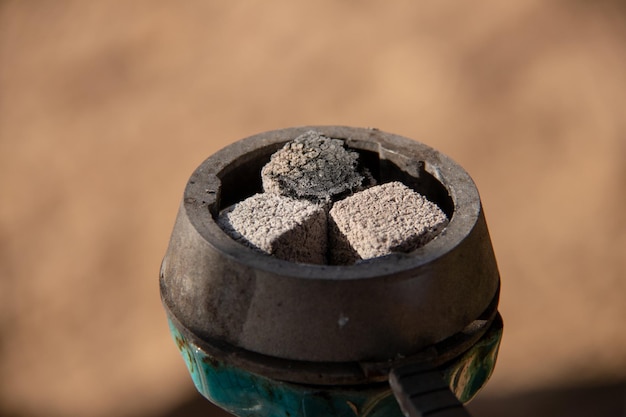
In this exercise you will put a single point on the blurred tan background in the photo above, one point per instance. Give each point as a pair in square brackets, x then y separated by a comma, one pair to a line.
[107, 107]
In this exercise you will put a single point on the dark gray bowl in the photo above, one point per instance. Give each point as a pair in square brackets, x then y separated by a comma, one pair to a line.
[234, 299]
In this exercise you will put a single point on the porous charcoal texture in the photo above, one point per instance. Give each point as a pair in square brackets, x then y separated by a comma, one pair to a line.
[293, 230]
[312, 167]
[381, 220]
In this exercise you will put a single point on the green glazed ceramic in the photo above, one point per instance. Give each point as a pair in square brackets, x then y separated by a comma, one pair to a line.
[246, 394]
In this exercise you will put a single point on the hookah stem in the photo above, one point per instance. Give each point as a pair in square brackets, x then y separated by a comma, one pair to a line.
[422, 392]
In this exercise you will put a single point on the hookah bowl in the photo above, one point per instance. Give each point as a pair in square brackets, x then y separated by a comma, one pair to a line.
[410, 334]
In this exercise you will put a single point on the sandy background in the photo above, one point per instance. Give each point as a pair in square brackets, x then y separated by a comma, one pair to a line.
[107, 107]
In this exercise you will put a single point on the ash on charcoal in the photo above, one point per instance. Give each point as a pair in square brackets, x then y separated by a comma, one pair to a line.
[312, 167]
[289, 229]
[381, 220]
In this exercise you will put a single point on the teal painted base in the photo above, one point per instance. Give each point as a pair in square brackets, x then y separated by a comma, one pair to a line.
[246, 394]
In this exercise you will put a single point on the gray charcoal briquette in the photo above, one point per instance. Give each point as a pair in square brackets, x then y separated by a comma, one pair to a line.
[312, 167]
[293, 230]
[381, 220]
